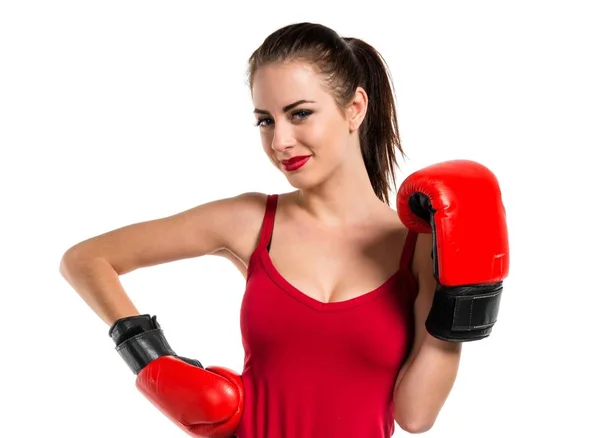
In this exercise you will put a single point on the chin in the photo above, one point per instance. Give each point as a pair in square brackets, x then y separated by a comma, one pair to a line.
[298, 183]
[303, 181]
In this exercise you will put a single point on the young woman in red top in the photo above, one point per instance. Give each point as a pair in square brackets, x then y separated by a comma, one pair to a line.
[338, 289]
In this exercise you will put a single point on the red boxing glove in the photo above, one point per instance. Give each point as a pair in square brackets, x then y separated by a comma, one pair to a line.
[203, 402]
[461, 204]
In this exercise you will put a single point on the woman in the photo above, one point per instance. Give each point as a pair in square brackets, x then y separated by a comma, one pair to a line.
[338, 289]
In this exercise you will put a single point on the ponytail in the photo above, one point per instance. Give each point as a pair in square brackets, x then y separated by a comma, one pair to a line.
[379, 134]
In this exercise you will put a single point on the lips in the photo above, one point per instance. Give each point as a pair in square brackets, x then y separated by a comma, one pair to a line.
[295, 163]
[294, 159]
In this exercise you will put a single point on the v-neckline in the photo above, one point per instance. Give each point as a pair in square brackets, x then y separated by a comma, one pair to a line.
[315, 304]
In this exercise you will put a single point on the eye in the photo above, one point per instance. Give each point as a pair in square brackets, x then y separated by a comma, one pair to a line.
[299, 115]
[262, 121]
[302, 113]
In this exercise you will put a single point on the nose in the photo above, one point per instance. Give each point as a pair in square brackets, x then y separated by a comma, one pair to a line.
[283, 137]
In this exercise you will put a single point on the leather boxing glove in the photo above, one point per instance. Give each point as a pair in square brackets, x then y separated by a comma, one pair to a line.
[460, 203]
[204, 402]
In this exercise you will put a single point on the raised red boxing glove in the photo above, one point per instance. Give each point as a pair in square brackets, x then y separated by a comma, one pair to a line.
[203, 402]
[460, 202]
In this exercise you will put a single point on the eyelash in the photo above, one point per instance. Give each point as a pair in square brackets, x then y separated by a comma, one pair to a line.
[305, 112]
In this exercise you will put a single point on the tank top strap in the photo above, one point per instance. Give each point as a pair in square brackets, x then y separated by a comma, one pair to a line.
[408, 250]
[268, 221]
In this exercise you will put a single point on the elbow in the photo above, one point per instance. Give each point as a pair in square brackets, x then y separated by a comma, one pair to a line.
[414, 424]
[416, 427]
[70, 260]
[65, 262]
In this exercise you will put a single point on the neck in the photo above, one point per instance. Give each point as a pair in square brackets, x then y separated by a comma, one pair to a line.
[346, 198]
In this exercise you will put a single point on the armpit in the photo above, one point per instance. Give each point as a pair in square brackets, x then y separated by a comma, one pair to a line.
[233, 259]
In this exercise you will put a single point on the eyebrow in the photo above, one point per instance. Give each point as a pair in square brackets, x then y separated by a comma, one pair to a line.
[285, 108]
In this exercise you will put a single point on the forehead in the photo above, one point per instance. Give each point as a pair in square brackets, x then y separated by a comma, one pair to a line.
[277, 85]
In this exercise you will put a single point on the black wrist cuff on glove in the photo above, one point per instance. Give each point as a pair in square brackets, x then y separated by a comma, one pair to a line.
[465, 313]
[139, 340]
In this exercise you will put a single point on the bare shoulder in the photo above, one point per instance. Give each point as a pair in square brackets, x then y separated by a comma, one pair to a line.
[245, 207]
[245, 221]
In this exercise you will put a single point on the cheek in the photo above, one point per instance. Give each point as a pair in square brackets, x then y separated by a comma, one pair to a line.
[322, 136]
[266, 145]
[332, 137]
[265, 140]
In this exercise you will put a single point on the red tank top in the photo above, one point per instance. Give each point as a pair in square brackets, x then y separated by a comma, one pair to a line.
[316, 369]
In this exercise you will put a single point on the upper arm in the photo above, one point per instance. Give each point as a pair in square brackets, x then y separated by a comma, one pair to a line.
[423, 270]
[422, 267]
[226, 224]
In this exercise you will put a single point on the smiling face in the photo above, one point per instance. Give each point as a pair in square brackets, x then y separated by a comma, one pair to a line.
[303, 131]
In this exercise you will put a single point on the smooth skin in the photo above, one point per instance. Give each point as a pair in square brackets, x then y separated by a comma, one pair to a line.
[346, 241]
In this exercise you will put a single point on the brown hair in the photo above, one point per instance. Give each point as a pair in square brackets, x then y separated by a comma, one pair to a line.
[346, 63]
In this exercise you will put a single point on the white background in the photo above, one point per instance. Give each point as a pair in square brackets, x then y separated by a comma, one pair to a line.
[116, 112]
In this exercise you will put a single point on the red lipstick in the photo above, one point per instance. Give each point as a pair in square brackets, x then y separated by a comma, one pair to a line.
[295, 163]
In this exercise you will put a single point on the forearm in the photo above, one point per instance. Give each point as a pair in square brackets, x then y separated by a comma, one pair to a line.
[425, 383]
[98, 284]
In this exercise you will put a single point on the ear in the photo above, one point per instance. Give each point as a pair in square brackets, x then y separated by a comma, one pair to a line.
[357, 109]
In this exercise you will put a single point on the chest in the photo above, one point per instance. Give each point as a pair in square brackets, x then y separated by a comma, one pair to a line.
[336, 266]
